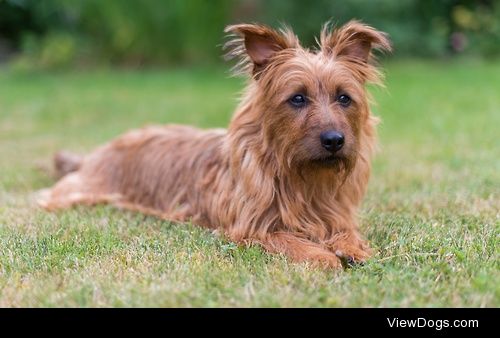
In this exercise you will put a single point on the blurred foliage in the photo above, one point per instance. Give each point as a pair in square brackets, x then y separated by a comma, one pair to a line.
[58, 33]
[423, 28]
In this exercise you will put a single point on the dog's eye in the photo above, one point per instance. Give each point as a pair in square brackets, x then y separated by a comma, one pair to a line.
[344, 100]
[298, 100]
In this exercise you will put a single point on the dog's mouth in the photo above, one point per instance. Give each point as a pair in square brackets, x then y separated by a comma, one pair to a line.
[329, 161]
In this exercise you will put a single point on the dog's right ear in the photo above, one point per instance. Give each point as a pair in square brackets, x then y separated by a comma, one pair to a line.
[354, 41]
[256, 45]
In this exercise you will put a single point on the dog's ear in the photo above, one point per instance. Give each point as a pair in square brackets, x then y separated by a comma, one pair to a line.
[255, 45]
[354, 40]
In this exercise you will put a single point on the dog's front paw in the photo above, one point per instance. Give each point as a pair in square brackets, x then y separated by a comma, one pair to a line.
[351, 253]
[325, 261]
[350, 260]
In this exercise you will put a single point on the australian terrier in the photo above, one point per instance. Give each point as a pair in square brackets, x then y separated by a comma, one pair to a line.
[290, 171]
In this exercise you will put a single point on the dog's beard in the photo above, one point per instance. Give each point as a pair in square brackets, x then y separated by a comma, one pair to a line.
[339, 167]
[314, 166]
[333, 162]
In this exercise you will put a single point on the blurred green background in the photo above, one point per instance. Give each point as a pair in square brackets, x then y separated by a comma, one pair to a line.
[134, 33]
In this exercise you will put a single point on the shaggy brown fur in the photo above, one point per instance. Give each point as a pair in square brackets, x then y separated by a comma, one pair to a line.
[267, 179]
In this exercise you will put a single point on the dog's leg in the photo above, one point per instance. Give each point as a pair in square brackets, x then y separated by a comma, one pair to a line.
[300, 249]
[72, 189]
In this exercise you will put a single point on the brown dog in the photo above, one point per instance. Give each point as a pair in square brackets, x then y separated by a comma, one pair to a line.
[289, 173]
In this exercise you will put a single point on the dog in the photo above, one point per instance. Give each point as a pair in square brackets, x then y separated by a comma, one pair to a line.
[288, 174]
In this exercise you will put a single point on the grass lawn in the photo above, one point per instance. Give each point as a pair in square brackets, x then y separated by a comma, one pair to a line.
[431, 212]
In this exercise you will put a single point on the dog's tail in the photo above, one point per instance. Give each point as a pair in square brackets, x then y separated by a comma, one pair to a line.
[66, 162]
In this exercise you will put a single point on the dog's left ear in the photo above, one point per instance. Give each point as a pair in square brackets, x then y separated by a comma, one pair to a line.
[256, 45]
[354, 40]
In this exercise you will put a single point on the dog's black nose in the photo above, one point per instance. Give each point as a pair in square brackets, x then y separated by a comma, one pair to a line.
[332, 140]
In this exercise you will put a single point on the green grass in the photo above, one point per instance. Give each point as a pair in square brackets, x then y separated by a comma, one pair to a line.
[431, 212]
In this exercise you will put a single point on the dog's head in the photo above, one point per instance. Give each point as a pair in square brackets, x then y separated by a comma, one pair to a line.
[310, 104]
